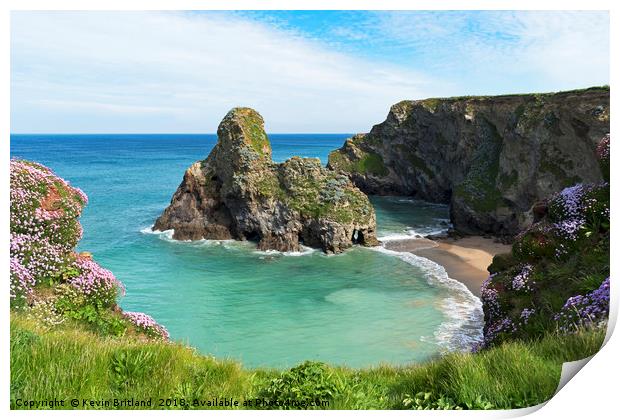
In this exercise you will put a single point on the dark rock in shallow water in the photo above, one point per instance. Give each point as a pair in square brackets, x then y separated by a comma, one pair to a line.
[490, 158]
[238, 192]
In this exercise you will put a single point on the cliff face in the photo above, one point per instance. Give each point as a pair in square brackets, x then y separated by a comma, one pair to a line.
[238, 192]
[490, 158]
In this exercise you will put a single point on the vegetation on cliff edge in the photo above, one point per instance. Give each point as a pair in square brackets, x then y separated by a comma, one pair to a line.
[50, 282]
[548, 282]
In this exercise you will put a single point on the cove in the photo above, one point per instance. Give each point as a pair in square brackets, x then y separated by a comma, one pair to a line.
[361, 308]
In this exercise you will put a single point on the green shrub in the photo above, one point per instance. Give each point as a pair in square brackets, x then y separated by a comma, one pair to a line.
[71, 303]
[310, 381]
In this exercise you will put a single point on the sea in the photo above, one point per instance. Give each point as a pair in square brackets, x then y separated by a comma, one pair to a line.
[362, 308]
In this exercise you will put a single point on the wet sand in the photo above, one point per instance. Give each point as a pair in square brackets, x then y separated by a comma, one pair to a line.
[465, 259]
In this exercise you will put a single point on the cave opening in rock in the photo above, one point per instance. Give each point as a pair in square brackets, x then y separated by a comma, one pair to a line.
[357, 237]
[252, 236]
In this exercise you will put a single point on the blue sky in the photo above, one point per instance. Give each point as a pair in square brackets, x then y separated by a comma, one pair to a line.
[304, 71]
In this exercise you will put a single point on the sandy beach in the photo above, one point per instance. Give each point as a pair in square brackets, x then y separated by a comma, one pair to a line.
[465, 259]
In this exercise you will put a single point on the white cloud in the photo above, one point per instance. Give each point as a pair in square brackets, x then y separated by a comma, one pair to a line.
[548, 50]
[107, 107]
[570, 47]
[189, 69]
[181, 72]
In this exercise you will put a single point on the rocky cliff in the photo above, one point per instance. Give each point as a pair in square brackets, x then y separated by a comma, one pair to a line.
[238, 192]
[491, 158]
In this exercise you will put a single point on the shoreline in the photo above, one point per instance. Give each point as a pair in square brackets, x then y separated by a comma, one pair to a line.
[464, 259]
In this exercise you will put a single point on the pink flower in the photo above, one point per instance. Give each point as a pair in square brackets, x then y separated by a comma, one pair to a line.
[95, 280]
[147, 323]
[22, 280]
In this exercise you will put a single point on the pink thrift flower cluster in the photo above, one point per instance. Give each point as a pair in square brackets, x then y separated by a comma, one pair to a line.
[569, 203]
[44, 205]
[147, 324]
[22, 280]
[574, 210]
[95, 281]
[42, 258]
[43, 222]
[44, 231]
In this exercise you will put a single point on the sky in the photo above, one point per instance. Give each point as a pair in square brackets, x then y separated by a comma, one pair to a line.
[304, 71]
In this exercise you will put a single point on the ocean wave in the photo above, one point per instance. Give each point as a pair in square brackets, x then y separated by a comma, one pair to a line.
[463, 328]
[167, 235]
[411, 233]
[399, 236]
[163, 234]
[305, 250]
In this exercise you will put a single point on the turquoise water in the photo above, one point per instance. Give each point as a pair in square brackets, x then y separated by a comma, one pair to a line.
[360, 308]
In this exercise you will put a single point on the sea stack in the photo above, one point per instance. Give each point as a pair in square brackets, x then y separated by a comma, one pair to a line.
[238, 192]
[492, 158]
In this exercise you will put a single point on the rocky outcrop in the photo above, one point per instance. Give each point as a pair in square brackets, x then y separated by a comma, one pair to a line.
[238, 192]
[490, 158]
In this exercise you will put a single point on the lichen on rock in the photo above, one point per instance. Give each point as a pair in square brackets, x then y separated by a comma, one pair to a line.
[238, 192]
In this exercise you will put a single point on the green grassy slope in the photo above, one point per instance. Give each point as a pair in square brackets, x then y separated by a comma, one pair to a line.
[68, 362]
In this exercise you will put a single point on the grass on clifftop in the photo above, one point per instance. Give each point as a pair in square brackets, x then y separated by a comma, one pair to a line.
[66, 362]
[432, 102]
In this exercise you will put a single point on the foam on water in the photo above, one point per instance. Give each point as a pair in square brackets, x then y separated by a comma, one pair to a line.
[410, 234]
[163, 234]
[167, 235]
[305, 250]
